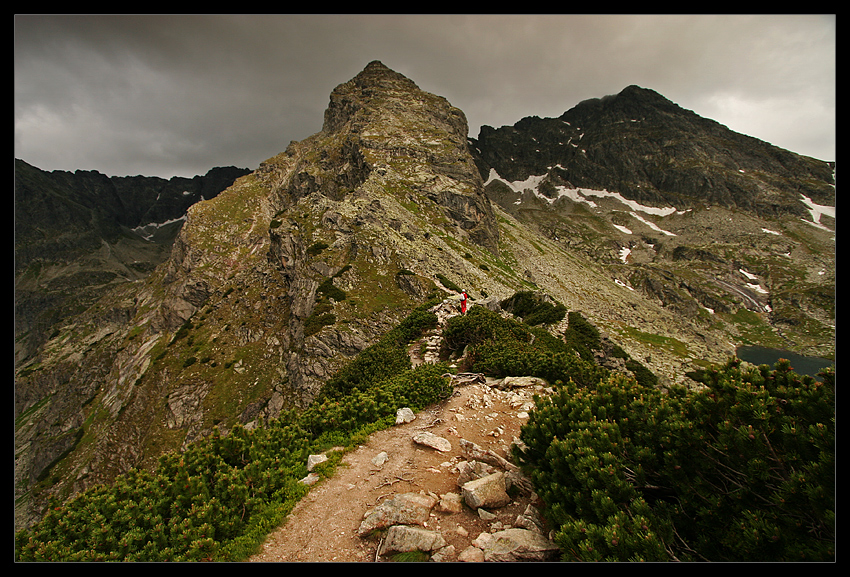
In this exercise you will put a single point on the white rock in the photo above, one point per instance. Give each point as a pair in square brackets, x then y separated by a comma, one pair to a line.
[310, 479]
[431, 440]
[380, 459]
[314, 460]
[404, 415]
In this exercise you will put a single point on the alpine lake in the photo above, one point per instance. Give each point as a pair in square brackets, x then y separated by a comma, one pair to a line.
[802, 365]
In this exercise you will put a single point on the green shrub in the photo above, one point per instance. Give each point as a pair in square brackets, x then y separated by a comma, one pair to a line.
[742, 471]
[316, 248]
[385, 358]
[533, 309]
[478, 326]
[582, 336]
[506, 347]
[448, 284]
[182, 331]
[321, 315]
[316, 321]
[327, 290]
[643, 375]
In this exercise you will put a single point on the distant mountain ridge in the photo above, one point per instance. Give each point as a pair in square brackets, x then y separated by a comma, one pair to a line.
[647, 148]
[60, 203]
[77, 233]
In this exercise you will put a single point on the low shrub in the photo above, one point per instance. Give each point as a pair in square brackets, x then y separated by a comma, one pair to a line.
[741, 471]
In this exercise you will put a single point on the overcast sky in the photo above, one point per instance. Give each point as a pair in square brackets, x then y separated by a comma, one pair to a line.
[177, 95]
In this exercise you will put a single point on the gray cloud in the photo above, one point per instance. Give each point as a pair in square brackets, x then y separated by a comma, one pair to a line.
[177, 95]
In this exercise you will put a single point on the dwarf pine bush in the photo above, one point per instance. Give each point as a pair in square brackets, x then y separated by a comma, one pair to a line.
[740, 471]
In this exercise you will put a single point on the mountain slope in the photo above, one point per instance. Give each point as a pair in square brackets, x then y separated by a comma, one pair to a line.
[718, 227]
[269, 287]
[79, 234]
[275, 283]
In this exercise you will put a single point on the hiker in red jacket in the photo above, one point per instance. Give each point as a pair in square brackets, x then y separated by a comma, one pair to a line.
[463, 298]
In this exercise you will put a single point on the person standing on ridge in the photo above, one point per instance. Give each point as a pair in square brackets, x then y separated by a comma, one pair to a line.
[463, 298]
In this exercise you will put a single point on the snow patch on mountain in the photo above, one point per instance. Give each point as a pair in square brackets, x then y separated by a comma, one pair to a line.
[148, 231]
[532, 183]
[747, 274]
[817, 210]
[652, 225]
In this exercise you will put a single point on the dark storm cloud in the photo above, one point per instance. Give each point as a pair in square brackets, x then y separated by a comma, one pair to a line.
[166, 95]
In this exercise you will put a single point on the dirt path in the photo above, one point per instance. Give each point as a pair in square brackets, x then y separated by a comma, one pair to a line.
[323, 526]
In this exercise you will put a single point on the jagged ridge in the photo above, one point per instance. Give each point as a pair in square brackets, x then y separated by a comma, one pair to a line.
[649, 149]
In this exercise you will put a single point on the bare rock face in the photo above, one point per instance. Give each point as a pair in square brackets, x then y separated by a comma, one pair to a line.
[383, 134]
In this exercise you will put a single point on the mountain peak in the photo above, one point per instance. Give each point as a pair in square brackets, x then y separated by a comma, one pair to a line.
[377, 67]
[632, 102]
[376, 73]
[418, 139]
[374, 83]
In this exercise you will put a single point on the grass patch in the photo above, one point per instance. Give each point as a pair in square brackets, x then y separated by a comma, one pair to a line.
[658, 341]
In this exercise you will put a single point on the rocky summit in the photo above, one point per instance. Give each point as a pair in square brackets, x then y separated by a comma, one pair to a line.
[676, 238]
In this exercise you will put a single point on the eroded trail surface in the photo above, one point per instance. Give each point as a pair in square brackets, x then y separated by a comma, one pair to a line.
[323, 526]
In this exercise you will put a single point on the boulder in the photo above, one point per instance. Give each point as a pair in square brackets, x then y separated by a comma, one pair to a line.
[403, 538]
[530, 519]
[450, 503]
[471, 470]
[521, 383]
[519, 545]
[314, 460]
[404, 415]
[471, 555]
[380, 459]
[487, 492]
[431, 440]
[310, 479]
[444, 555]
[401, 509]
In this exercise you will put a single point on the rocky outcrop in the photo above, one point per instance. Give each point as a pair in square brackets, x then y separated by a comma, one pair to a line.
[385, 147]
